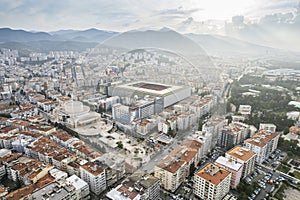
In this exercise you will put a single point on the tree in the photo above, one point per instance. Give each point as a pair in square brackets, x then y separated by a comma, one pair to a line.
[5, 115]
[136, 151]
[201, 122]
[120, 145]
[170, 132]
[100, 109]
[192, 169]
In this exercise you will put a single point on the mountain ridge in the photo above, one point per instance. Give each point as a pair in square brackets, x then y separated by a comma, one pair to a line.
[164, 38]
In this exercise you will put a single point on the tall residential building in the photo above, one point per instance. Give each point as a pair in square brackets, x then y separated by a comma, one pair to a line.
[263, 144]
[232, 166]
[233, 134]
[171, 173]
[205, 138]
[53, 191]
[212, 182]
[243, 156]
[214, 126]
[94, 175]
[195, 145]
[122, 113]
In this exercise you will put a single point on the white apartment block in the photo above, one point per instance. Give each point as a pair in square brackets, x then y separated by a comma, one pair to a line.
[263, 144]
[232, 166]
[243, 156]
[205, 138]
[81, 187]
[267, 127]
[94, 175]
[245, 109]
[212, 182]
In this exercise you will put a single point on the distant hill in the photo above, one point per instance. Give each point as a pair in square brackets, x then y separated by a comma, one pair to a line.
[167, 39]
[26, 41]
[10, 35]
[164, 39]
[45, 46]
[89, 35]
[229, 46]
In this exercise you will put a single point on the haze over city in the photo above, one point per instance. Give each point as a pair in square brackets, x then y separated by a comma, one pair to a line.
[152, 100]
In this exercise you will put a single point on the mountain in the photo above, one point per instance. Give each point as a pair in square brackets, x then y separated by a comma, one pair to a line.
[217, 44]
[62, 32]
[172, 41]
[9, 35]
[165, 39]
[45, 46]
[89, 35]
[26, 41]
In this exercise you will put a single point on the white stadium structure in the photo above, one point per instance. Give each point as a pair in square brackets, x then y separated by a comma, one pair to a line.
[169, 93]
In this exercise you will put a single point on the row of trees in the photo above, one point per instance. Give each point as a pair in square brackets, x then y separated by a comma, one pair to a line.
[244, 190]
[67, 129]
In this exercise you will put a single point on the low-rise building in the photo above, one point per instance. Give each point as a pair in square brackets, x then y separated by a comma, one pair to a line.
[2, 171]
[81, 187]
[137, 186]
[245, 110]
[267, 127]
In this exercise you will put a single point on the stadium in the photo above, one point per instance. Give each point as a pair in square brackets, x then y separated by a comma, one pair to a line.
[169, 93]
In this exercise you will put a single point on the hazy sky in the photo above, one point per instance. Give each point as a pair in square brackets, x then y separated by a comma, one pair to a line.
[122, 15]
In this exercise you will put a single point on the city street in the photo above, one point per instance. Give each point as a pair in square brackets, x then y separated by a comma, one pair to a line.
[149, 167]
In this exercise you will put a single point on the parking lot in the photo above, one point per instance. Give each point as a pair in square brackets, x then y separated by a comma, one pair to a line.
[275, 159]
[266, 180]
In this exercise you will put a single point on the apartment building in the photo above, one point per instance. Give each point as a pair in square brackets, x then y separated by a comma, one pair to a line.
[212, 182]
[232, 166]
[263, 144]
[94, 175]
[244, 156]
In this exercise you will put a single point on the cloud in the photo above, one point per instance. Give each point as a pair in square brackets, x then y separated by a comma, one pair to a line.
[113, 15]
[178, 11]
[278, 30]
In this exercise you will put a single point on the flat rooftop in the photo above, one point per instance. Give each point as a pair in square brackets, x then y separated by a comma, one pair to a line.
[241, 153]
[213, 173]
[227, 162]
